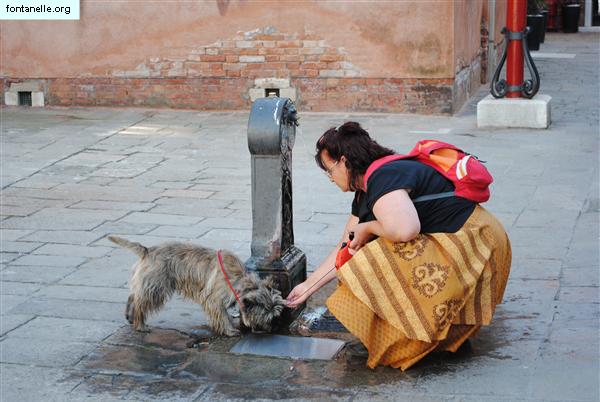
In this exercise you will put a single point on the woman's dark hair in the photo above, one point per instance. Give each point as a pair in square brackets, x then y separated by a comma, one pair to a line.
[353, 142]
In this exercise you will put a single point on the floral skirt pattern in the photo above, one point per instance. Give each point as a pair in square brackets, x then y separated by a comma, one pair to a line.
[404, 300]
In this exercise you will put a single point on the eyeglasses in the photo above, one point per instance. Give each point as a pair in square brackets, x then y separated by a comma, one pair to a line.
[329, 171]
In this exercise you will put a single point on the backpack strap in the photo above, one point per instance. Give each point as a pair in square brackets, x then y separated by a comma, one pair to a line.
[378, 163]
[430, 197]
[386, 159]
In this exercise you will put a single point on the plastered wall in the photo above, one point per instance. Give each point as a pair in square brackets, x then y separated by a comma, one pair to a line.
[392, 56]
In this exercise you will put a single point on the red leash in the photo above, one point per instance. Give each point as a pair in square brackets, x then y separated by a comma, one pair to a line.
[227, 279]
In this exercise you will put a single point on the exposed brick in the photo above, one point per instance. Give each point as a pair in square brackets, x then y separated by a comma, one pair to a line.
[210, 58]
[310, 73]
[312, 50]
[244, 44]
[332, 57]
[276, 51]
[268, 43]
[215, 73]
[310, 43]
[332, 82]
[274, 65]
[271, 37]
[253, 66]
[312, 57]
[194, 57]
[252, 59]
[314, 65]
[308, 36]
[331, 73]
[288, 43]
[248, 52]
[233, 66]
[291, 58]
[210, 85]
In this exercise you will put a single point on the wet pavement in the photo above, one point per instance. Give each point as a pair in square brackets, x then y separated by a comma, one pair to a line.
[71, 176]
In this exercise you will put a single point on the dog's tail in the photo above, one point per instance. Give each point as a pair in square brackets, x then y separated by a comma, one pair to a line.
[137, 248]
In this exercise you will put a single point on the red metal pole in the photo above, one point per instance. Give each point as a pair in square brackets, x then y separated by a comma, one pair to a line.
[516, 14]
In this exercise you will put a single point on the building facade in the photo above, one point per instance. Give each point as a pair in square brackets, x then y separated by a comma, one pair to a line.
[373, 56]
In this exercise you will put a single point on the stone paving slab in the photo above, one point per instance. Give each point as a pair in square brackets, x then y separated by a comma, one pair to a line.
[62, 219]
[52, 328]
[37, 274]
[92, 293]
[43, 352]
[20, 247]
[9, 322]
[51, 249]
[49, 260]
[160, 175]
[19, 288]
[108, 276]
[51, 384]
[71, 237]
[80, 309]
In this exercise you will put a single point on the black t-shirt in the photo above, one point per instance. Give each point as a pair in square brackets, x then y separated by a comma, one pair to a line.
[442, 215]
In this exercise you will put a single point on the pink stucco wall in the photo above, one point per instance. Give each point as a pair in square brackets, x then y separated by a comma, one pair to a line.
[383, 39]
[467, 28]
[403, 56]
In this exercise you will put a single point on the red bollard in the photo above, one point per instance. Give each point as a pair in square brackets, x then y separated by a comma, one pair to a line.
[516, 15]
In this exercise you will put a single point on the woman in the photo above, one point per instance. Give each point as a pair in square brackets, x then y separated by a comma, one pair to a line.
[424, 276]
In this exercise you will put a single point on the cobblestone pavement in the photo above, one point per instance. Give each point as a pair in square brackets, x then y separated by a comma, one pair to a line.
[70, 176]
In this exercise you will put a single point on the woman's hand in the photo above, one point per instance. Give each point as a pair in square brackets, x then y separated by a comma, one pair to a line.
[298, 295]
[363, 233]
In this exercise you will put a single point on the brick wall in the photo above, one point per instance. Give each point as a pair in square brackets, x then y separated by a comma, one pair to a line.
[219, 76]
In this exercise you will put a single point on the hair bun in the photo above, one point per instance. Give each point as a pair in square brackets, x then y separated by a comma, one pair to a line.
[349, 127]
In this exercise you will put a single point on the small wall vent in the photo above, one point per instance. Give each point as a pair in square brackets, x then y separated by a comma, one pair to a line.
[25, 98]
[271, 92]
[266, 87]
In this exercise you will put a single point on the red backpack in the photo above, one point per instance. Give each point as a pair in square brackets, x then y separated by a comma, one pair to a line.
[470, 178]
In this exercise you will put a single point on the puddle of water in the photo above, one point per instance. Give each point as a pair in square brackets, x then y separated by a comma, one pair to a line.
[289, 346]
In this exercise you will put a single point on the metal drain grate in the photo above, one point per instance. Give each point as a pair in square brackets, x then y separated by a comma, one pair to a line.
[294, 347]
[25, 98]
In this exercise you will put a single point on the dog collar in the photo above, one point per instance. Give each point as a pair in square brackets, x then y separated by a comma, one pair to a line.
[220, 258]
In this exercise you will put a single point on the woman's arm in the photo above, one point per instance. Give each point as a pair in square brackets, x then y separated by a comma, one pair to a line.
[396, 220]
[323, 274]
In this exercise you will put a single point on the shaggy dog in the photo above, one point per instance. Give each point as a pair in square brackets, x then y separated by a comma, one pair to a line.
[195, 273]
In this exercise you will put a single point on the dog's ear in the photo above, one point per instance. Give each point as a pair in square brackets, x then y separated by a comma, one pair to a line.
[272, 285]
[249, 300]
[269, 282]
[275, 293]
[278, 309]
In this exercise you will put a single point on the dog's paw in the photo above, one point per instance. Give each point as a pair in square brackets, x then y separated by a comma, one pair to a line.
[143, 329]
[128, 317]
[232, 332]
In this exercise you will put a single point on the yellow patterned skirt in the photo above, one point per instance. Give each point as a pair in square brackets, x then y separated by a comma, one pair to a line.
[405, 300]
